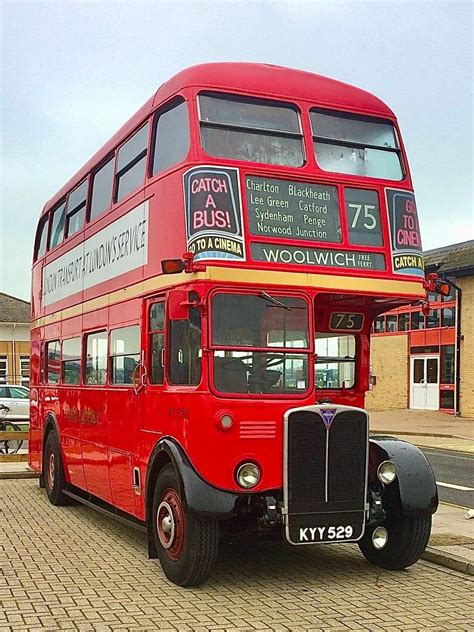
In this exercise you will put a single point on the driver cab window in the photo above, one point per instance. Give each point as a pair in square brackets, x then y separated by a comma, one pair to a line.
[335, 360]
[185, 348]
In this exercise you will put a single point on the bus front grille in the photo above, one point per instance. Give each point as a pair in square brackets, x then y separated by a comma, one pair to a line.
[325, 465]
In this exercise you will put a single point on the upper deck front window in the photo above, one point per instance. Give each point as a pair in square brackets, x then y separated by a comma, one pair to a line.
[253, 130]
[356, 145]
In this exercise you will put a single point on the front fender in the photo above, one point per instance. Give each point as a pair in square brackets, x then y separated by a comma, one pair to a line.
[198, 496]
[414, 489]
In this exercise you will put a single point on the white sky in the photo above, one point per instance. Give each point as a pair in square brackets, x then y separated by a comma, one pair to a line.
[73, 72]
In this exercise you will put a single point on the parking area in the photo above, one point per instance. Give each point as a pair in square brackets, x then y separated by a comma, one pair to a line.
[72, 568]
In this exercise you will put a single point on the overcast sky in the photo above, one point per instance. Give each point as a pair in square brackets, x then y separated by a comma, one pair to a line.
[73, 72]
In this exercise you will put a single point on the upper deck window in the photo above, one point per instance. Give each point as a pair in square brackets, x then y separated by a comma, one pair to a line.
[102, 189]
[131, 161]
[76, 209]
[356, 145]
[253, 130]
[42, 237]
[57, 226]
[171, 137]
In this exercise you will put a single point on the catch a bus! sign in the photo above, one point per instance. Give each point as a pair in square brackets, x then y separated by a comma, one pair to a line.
[120, 247]
[213, 213]
[407, 256]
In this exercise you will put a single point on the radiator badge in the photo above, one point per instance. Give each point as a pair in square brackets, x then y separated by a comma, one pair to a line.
[328, 416]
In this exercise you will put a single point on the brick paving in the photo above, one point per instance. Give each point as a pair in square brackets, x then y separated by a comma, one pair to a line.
[70, 568]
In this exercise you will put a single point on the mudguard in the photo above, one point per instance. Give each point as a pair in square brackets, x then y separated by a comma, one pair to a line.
[414, 489]
[198, 496]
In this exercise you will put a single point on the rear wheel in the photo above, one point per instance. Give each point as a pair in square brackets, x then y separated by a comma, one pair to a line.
[53, 471]
[407, 540]
[187, 546]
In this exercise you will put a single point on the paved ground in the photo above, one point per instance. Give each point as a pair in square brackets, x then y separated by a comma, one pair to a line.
[454, 474]
[71, 568]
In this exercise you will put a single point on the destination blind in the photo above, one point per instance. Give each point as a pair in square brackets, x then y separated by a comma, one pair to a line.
[293, 210]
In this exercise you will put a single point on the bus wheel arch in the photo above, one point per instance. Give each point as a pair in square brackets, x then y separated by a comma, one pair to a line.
[50, 425]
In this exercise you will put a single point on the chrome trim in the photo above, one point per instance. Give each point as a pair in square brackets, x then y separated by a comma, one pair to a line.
[316, 409]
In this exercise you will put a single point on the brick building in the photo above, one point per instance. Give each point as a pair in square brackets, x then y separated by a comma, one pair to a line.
[427, 362]
[14, 340]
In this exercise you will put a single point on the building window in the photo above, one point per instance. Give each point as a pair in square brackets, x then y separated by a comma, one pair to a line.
[124, 354]
[446, 400]
[379, 325]
[157, 342]
[403, 322]
[253, 130]
[71, 361]
[432, 320]
[3, 369]
[25, 370]
[447, 364]
[102, 189]
[57, 226]
[96, 358]
[131, 163]
[417, 320]
[185, 348]
[391, 323]
[171, 138]
[447, 317]
[76, 209]
[52, 362]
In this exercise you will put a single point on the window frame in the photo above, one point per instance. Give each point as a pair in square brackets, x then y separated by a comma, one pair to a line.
[112, 356]
[144, 154]
[78, 208]
[46, 362]
[264, 101]
[85, 337]
[56, 208]
[169, 106]
[92, 175]
[316, 138]
[152, 332]
[72, 359]
[355, 361]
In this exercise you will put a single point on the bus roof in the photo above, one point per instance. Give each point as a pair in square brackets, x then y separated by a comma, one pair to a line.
[241, 77]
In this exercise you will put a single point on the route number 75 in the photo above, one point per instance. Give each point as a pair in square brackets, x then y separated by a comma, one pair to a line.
[370, 219]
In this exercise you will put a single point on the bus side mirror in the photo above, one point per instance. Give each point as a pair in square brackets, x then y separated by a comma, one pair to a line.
[178, 305]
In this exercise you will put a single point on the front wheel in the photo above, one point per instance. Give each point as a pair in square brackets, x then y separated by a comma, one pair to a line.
[407, 540]
[187, 546]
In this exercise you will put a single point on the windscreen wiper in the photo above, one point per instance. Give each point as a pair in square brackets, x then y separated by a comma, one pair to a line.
[275, 301]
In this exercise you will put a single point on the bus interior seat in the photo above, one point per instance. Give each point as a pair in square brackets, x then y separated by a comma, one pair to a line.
[230, 375]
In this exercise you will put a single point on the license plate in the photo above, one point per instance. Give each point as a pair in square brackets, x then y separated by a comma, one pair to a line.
[324, 534]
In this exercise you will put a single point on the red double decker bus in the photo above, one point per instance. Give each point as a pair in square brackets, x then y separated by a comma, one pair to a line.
[202, 297]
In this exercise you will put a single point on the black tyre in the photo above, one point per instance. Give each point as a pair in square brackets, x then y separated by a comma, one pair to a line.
[53, 471]
[407, 539]
[187, 546]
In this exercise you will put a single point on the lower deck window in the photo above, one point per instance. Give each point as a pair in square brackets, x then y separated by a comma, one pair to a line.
[335, 361]
[124, 354]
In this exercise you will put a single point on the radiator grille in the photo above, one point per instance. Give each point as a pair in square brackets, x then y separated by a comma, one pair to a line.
[326, 466]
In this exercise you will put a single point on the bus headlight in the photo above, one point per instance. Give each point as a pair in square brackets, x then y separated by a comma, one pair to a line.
[247, 475]
[386, 472]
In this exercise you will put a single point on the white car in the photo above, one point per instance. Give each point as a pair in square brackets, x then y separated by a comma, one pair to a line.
[17, 398]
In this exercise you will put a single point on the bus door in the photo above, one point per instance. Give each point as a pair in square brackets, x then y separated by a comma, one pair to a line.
[154, 348]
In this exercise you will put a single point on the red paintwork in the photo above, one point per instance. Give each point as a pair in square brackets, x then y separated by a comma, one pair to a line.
[108, 430]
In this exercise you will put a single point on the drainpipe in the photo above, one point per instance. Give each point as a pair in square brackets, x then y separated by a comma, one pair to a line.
[457, 350]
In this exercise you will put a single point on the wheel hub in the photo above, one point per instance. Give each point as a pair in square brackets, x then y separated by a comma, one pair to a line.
[170, 524]
[51, 470]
